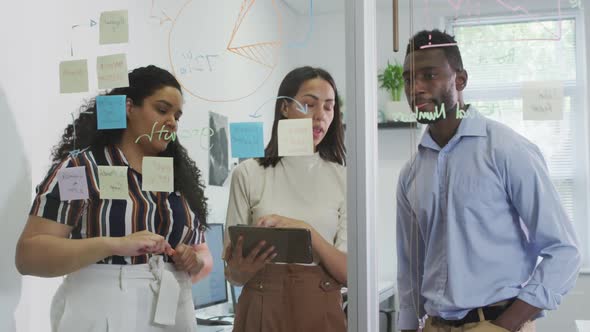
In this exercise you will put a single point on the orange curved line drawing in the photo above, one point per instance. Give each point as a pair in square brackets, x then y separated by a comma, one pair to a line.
[241, 16]
[248, 51]
[258, 47]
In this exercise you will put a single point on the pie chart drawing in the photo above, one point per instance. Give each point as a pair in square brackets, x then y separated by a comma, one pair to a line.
[222, 51]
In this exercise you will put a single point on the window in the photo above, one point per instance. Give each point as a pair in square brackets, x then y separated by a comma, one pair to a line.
[496, 72]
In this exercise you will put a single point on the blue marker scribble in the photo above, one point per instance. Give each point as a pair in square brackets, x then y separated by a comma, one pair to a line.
[300, 108]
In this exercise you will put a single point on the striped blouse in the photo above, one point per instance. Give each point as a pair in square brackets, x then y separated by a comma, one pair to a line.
[166, 214]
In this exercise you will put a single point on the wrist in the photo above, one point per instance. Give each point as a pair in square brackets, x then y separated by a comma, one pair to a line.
[111, 245]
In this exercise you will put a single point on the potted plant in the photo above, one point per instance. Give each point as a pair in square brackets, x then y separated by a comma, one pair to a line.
[392, 80]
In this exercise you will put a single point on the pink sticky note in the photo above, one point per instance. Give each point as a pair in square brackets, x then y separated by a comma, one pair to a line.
[72, 183]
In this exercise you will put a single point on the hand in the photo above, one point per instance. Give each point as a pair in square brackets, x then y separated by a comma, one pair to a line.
[274, 220]
[186, 259]
[243, 268]
[140, 243]
[499, 324]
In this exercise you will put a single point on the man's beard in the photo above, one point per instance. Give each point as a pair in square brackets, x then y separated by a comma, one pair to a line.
[440, 112]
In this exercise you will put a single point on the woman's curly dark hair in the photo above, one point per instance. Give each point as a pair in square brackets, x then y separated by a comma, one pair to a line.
[143, 82]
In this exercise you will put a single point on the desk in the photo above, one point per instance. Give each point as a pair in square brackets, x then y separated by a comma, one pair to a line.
[583, 325]
[386, 289]
[220, 328]
[387, 305]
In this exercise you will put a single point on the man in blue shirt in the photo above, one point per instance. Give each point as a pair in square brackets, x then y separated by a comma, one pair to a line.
[475, 211]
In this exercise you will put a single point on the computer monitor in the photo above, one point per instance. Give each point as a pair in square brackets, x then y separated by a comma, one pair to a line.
[212, 289]
[235, 295]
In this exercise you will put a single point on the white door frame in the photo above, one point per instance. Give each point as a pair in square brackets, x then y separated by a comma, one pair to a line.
[361, 145]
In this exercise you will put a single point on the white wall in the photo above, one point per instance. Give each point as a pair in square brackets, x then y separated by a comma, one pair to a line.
[15, 192]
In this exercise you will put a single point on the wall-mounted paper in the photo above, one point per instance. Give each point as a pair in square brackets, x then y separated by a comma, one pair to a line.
[157, 174]
[72, 183]
[295, 137]
[542, 100]
[112, 181]
[73, 76]
[218, 149]
[112, 71]
[114, 27]
[247, 140]
[111, 112]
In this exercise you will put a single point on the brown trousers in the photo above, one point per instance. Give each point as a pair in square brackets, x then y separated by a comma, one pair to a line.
[284, 298]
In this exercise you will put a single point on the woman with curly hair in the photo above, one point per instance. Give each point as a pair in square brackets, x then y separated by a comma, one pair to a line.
[129, 262]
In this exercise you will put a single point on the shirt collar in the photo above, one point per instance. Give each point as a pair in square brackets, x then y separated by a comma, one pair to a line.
[115, 156]
[472, 124]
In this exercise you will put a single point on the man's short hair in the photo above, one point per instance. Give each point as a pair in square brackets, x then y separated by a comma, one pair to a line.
[437, 37]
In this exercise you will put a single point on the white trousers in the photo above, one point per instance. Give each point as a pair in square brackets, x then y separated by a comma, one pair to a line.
[123, 298]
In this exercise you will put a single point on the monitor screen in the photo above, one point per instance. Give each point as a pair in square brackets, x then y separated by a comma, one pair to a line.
[235, 295]
[212, 289]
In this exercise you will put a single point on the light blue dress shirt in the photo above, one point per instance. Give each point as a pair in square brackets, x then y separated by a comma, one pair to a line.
[472, 219]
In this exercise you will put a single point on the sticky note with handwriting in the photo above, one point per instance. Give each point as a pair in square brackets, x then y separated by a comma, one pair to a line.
[157, 174]
[73, 76]
[114, 27]
[542, 100]
[111, 112]
[112, 181]
[247, 139]
[112, 71]
[72, 183]
[295, 137]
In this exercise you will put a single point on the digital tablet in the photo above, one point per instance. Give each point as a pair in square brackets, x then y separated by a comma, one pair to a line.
[292, 245]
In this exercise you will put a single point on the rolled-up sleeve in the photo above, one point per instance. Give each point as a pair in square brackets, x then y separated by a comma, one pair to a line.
[410, 261]
[551, 233]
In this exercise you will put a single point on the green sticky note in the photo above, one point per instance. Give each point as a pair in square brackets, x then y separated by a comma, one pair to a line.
[112, 71]
[112, 181]
[114, 27]
[157, 174]
[73, 76]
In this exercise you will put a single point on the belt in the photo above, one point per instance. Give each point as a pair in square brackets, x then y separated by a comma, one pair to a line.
[490, 312]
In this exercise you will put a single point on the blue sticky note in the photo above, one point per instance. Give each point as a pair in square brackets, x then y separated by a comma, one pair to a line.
[111, 112]
[247, 139]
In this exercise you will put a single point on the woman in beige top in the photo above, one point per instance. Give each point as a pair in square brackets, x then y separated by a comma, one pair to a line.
[298, 192]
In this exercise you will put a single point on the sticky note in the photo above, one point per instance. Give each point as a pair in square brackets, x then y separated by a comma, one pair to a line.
[114, 27]
[112, 71]
[111, 112]
[542, 100]
[295, 137]
[157, 174]
[246, 139]
[112, 181]
[72, 183]
[73, 76]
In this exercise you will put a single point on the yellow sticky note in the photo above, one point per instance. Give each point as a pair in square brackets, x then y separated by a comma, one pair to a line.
[112, 71]
[112, 181]
[73, 76]
[157, 174]
[114, 27]
[295, 137]
[542, 100]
